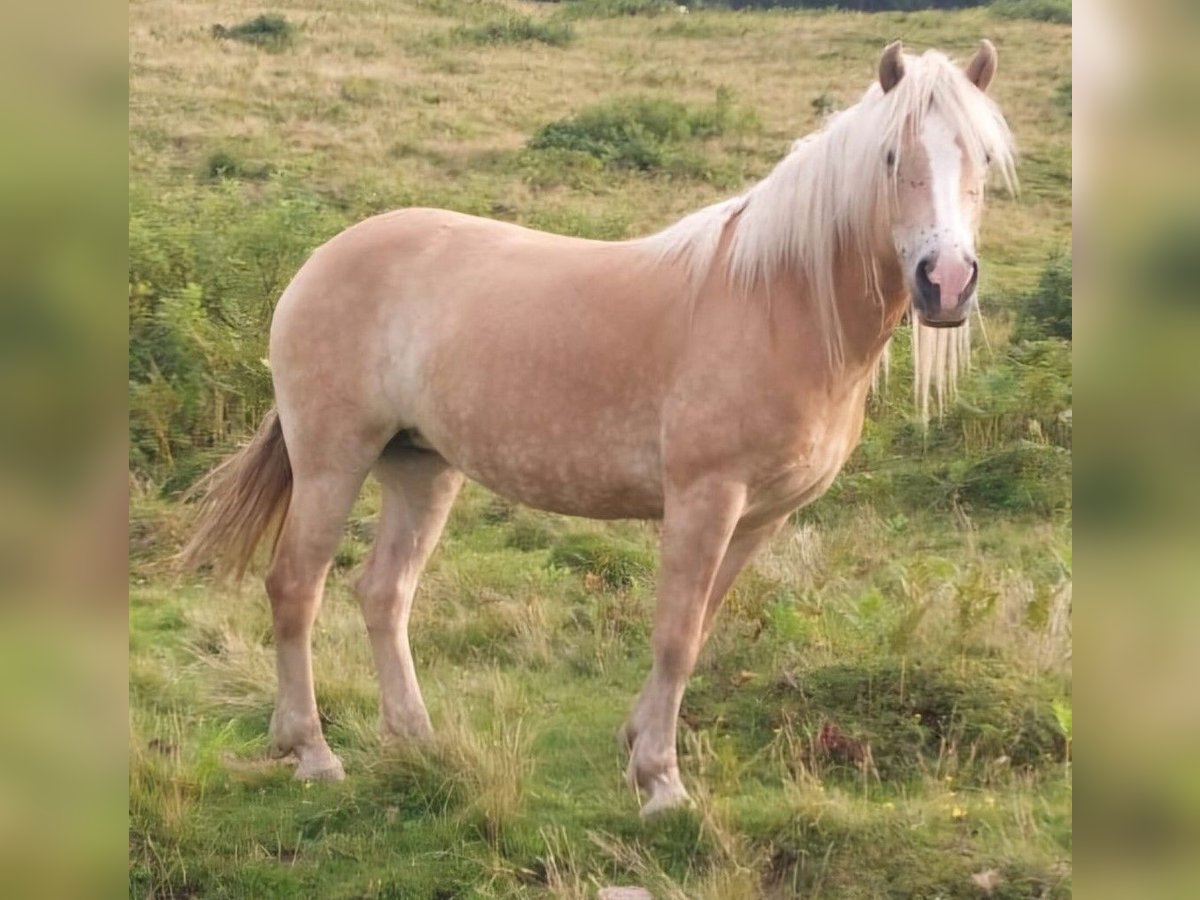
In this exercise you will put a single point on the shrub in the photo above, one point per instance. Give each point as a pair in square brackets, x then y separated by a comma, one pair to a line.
[1057, 11]
[205, 271]
[625, 133]
[613, 9]
[268, 31]
[645, 133]
[619, 563]
[514, 29]
[1046, 311]
[913, 710]
[1028, 477]
[224, 164]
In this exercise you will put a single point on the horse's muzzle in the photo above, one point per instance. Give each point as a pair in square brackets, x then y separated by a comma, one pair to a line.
[943, 291]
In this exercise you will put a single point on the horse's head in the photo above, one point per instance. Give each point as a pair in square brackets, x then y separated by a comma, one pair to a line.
[941, 138]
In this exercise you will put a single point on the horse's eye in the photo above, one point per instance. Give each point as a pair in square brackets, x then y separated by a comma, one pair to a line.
[891, 158]
[987, 158]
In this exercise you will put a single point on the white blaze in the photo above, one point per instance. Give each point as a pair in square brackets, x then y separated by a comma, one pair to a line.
[951, 238]
[945, 173]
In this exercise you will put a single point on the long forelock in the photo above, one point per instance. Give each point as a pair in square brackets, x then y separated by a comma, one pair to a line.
[831, 191]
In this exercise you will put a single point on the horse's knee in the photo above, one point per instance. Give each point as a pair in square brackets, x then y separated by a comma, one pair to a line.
[373, 602]
[383, 601]
[292, 602]
[675, 654]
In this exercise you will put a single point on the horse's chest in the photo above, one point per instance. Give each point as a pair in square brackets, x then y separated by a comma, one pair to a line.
[801, 472]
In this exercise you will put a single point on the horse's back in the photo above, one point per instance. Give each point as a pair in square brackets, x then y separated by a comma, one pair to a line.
[516, 354]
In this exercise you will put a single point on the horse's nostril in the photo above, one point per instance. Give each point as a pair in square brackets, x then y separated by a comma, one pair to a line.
[924, 282]
[972, 280]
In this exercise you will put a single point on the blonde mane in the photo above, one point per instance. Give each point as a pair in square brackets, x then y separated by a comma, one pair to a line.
[829, 194]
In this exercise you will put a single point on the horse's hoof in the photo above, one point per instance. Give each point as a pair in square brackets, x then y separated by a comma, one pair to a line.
[320, 767]
[666, 793]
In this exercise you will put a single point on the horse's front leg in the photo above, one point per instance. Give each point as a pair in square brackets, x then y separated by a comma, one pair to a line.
[697, 524]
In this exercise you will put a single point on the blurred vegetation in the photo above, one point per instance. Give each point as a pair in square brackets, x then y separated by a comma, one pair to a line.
[1046, 312]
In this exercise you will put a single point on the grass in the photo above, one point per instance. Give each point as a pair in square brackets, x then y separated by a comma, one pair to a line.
[885, 706]
[949, 738]
[1058, 11]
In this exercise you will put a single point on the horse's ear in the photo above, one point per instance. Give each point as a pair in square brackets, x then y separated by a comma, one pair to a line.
[982, 69]
[891, 66]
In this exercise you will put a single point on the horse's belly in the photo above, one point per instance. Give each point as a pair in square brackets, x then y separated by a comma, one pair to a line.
[596, 489]
[599, 476]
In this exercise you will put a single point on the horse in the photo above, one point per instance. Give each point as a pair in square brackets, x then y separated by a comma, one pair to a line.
[712, 376]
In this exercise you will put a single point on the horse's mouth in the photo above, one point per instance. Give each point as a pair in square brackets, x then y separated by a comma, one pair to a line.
[935, 323]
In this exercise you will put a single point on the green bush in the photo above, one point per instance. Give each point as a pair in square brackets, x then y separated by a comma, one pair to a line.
[268, 31]
[1018, 477]
[913, 710]
[619, 563]
[1023, 393]
[1057, 11]
[224, 164]
[205, 270]
[646, 133]
[516, 29]
[1028, 477]
[1046, 311]
[613, 9]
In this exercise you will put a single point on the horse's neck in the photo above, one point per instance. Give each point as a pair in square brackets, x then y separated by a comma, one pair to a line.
[869, 309]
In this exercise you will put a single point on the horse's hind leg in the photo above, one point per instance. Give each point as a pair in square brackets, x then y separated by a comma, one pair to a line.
[418, 491]
[320, 501]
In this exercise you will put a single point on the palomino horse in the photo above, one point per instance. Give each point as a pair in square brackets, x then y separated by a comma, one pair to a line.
[713, 376]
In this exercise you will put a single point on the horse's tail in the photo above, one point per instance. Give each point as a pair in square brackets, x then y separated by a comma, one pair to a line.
[241, 500]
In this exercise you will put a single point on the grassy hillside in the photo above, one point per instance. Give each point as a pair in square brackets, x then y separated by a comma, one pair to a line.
[885, 707]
